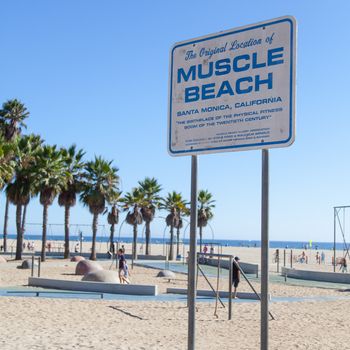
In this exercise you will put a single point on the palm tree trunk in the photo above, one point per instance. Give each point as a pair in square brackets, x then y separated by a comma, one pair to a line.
[200, 238]
[44, 238]
[111, 239]
[6, 219]
[94, 234]
[171, 250]
[66, 231]
[24, 215]
[19, 246]
[134, 244]
[177, 241]
[148, 236]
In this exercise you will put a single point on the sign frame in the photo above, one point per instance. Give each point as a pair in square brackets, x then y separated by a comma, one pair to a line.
[292, 87]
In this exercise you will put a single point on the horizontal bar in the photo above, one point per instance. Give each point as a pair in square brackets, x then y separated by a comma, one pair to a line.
[216, 255]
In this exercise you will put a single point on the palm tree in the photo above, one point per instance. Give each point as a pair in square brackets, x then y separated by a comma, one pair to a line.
[73, 164]
[101, 182]
[133, 202]
[150, 189]
[36, 143]
[7, 164]
[205, 213]
[12, 115]
[50, 176]
[173, 203]
[18, 194]
[113, 217]
[7, 155]
[182, 211]
[20, 189]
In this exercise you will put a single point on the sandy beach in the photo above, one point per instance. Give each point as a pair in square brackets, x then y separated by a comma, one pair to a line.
[318, 320]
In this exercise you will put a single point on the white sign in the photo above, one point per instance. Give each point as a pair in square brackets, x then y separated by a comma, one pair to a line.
[233, 90]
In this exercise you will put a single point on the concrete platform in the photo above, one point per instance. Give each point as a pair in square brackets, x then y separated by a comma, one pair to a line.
[98, 287]
[210, 293]
[334, 277]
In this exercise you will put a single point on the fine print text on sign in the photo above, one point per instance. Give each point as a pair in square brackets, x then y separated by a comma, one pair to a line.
[233, 90]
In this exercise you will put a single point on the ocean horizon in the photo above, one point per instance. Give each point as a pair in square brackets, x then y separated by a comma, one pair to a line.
[222, 242]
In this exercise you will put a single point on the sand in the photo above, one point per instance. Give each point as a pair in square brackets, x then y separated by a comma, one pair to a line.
[45, 323]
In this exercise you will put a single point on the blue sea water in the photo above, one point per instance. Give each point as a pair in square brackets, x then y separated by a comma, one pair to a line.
[222, 242]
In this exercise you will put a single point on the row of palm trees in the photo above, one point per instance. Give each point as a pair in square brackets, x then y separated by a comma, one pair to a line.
[29, 168]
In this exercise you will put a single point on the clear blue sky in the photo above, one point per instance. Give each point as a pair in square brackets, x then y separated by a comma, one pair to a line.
[95, 73]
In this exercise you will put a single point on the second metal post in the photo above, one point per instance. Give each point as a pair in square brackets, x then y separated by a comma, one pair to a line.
[264, 314]
[192, 263]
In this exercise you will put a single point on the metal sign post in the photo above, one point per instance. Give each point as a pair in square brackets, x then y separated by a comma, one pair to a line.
[192, 263]
[264, 334]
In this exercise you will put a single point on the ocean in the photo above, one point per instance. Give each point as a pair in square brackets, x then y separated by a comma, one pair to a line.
[222, 242]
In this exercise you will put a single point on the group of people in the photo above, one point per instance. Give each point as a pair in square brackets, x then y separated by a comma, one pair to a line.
[205, 250]
[303, 258]
[30, 246]
[320, 258]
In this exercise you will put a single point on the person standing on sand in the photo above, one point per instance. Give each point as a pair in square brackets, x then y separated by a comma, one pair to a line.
[236, 276]
[122, 266]
[126, 274]
[211, 251]
[205, 249]
[344, 265]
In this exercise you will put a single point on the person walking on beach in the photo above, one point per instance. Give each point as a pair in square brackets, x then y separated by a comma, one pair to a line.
[126, 273]
[344, 265]
[122, 267]
[236, 276]
[205, 249]
[211, 251]
[318, 258]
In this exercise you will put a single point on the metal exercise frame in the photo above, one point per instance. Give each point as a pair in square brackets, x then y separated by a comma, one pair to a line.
[232, 261]
[336, 213]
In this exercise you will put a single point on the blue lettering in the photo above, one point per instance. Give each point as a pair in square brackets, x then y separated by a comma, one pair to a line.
[244, 67]
[259, 82]
[223, 66]
[248, 89]
[202, 75]
[181, 73]
[208, 91]
[255, 62]
[192, 94]
[272, 56]
[225, 88]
